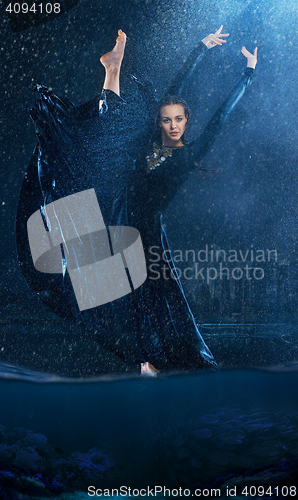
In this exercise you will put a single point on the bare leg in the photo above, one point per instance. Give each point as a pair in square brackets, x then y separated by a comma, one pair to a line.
[148, 370]
[112, 63]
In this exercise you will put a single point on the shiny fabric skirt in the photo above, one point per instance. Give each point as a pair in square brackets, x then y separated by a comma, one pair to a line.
[81, 149]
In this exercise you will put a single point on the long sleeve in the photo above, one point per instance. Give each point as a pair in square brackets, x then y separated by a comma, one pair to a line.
[198, 148]
[185, 73]
[165, 181]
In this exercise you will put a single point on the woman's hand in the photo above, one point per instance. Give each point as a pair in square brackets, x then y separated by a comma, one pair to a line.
[214, 39]
[251, 58]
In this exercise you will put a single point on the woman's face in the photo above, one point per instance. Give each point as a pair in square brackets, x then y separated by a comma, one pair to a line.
[172, 122]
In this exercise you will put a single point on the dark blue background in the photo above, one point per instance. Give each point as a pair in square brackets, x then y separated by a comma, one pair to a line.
[249, 203]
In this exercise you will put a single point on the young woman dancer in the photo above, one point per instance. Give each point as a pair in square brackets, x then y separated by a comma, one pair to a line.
[133, 153]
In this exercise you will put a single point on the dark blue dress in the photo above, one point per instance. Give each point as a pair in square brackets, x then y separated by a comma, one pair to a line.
[81, 148]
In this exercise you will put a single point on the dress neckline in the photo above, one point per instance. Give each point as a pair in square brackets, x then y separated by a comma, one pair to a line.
[158, 155]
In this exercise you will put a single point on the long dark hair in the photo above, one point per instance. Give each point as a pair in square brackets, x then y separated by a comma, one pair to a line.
[166, 101]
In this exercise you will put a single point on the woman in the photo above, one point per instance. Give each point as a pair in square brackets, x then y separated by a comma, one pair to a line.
[81, 148]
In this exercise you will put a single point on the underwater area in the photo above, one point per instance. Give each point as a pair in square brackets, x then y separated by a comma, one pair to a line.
[216, 432]
[72, 414]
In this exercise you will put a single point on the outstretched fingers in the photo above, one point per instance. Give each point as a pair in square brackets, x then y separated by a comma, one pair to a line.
[251, 58]
[218, 32]
[215, 38]
[246, 53]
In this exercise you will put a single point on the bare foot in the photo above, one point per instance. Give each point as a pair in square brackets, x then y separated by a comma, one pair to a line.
[114, 58]
[148, 370]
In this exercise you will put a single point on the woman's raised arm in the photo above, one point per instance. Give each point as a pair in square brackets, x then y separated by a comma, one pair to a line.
[198, 148]
[184, 74]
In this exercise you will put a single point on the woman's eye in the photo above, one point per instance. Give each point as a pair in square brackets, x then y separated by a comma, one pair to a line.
[179, 119]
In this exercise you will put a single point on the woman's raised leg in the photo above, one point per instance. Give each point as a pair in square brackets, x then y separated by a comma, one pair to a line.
[112, 63]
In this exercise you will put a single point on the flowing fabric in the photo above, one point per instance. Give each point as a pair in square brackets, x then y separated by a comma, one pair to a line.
[81, 148]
